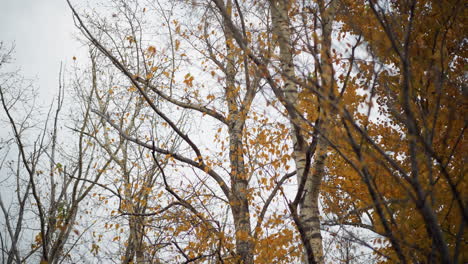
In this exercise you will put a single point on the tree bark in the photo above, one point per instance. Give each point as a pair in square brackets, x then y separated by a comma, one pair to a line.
[239, 178]
[309, 214]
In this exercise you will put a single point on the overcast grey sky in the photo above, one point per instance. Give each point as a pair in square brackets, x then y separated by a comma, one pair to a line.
[43, 33]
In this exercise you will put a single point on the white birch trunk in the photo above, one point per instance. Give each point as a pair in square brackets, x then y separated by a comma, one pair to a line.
[309, 214]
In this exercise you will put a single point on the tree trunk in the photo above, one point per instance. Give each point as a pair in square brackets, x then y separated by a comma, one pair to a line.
[239, 178]
[309, 215]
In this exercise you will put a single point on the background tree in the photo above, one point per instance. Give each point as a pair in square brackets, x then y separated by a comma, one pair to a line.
[47, 182]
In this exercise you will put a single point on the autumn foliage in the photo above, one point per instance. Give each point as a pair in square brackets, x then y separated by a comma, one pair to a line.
[277, 131]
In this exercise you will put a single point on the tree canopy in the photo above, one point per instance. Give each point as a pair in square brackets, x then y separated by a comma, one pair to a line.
[229, 131]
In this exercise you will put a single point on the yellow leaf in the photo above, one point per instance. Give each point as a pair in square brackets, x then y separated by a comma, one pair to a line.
[151, 50]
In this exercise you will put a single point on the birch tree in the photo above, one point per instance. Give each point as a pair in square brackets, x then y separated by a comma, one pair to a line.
[157, 72]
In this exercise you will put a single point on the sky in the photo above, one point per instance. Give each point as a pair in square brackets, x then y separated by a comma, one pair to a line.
[44, 35]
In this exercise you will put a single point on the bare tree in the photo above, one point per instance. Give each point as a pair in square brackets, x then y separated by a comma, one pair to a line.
[47, 182]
